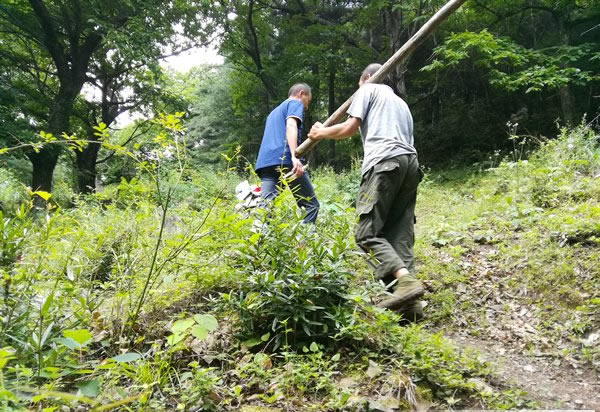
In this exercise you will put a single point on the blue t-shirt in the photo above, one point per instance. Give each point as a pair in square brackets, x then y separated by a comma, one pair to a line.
[274, 150]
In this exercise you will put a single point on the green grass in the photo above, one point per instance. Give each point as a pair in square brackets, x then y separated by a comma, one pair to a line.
[530, 228]
[293, 306]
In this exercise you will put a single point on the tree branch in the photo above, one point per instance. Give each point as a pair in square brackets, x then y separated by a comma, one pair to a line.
[129, 139]
[50, 38]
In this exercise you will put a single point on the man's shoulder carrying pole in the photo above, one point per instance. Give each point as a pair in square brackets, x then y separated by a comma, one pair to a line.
[401, 55]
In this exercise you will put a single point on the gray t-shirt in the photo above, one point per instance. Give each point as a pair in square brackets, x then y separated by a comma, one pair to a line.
[386, 124]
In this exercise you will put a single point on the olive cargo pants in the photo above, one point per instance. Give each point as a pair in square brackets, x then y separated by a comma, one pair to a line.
[386, 208]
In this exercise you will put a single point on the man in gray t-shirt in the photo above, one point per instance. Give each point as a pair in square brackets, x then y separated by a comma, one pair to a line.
[386, 124]
[388, 189]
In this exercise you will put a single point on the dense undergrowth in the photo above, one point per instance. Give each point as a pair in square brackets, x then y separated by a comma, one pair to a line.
[155, 294]
[514, 252]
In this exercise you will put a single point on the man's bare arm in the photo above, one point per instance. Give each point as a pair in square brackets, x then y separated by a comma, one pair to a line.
[291, 135]
[337, 132]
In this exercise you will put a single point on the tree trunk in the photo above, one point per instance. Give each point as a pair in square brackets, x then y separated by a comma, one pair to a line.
[45, 160]
[315, 158]
[86, 168]
[394, 23]
[255, 54]
[399, 80]
[87, 159]
[43, 164]
[436, 108]
[71, 53]
[567, 102]
[330, 109]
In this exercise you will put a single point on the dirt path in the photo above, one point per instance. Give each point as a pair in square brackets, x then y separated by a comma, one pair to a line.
[509, 326]
[552, 383]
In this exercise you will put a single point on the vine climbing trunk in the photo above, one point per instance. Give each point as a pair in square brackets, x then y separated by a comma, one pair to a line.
[398, 58]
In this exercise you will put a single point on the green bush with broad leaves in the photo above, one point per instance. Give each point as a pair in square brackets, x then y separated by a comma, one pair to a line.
[292, 276]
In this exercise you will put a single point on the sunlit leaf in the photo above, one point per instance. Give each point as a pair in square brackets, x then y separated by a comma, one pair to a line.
[44, 195]
[69, 343]
[208, 322]
[199, 332]
[182, 325]
[252, 342]
[175, 338]
[90, 388]
[127, 357]
[81, 336]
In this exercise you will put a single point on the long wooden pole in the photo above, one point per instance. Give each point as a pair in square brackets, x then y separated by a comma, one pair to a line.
[401, 55]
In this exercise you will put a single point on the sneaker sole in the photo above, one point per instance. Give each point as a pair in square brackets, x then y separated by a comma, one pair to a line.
[397, 301]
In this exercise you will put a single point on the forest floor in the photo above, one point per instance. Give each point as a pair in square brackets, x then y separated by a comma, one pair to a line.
[552, 384]
[510, 258]
[522, 358]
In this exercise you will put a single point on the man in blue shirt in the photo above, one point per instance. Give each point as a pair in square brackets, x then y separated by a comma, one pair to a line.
[276, 156]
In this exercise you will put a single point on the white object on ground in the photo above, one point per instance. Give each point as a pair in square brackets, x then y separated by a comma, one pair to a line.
[248, 195]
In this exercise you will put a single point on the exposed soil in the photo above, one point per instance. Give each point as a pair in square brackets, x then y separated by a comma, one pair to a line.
[553, 384]
[506, 328]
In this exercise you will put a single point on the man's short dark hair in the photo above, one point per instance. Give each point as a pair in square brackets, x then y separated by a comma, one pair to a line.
[371, 69]
[387, 80]
[299, 87]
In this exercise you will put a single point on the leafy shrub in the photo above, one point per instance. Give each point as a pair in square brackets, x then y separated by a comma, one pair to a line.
[291, 277]
[311, 372]
[200, 188]
[13, 233]
[566, 169]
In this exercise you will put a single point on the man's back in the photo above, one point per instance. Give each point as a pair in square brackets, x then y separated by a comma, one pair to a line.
[274, 150]
[386, 124]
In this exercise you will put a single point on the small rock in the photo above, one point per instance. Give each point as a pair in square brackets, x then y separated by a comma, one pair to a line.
[481, 386]
[357, 401]
[390, 402]
[347, 383]
[259, 409]
[378, 407]
[591, 339]
[374, 370]
[529, 368]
